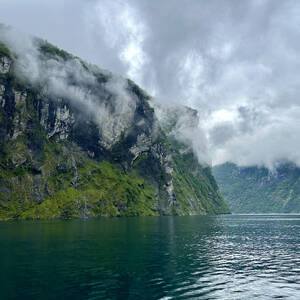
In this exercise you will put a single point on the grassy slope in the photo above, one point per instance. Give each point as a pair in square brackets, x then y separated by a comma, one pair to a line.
[103, 189]
[197, 194]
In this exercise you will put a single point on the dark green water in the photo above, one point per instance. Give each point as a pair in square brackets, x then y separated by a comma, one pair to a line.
[225, 257]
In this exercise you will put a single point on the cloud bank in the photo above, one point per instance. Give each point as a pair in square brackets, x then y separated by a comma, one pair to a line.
[236, 62]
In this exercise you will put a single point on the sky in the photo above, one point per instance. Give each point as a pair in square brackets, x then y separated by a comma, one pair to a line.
[237, 62]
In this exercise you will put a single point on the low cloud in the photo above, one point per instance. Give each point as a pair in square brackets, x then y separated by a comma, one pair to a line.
[182, 123]
[110, 107]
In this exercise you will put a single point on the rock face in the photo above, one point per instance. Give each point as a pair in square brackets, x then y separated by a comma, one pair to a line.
[5, 64]
[257, 190]
[83, 143]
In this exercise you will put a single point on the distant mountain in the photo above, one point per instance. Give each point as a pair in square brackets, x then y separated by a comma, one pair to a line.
[257, 190]
[78, 141]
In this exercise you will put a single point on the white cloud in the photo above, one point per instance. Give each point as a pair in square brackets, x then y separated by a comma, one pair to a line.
[119, 25]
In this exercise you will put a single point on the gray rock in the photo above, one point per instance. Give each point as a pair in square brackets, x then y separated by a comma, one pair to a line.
[2, 99]
[5, 64]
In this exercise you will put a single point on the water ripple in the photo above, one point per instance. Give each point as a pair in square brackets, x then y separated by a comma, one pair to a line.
[226, 257]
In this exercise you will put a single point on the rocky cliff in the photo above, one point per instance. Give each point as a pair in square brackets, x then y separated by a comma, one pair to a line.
[77, 141]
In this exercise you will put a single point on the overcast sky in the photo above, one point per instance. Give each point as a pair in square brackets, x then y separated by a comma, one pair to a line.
[237, 62]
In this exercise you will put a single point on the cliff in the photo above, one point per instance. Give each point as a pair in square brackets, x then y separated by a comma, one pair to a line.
[78, 141]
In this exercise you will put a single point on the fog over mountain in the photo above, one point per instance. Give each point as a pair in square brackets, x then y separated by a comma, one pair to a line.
[236, 62]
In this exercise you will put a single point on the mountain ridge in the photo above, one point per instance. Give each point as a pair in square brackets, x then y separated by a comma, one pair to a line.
[259, 190]
[77, 141]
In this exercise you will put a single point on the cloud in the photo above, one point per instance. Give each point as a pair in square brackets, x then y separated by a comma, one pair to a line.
[275, 142]
[236, 62]
[119, 25]
[182, 123]
[110, 106]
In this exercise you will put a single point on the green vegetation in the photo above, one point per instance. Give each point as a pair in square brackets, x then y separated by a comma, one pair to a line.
[116, 193]
[4, 51]
[133, 87]
[257, 190]
[195, 187]
[103, 190]
[50, 50]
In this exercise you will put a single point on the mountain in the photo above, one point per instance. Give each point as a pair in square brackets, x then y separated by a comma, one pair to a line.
[78, 141]
[258, 190]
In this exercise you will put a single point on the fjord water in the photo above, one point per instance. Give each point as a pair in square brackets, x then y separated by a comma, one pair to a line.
[223, 257]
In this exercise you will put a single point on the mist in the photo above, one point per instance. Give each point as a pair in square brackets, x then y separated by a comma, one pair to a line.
[74, 81]
[236, 62]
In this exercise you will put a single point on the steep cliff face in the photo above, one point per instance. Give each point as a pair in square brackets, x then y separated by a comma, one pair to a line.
[76, 141]
[257, 190]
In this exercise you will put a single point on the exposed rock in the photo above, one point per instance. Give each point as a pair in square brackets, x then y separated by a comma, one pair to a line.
[63, 122]
[18, 159]
[5, 64]
[20, 98]
[2, 99]
[143, 144]
[20, 118]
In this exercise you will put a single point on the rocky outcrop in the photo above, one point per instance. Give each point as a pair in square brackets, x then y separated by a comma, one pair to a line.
[5, 64]
[82, 142]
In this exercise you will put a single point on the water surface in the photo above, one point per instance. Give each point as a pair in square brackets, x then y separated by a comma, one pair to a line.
[224, 257]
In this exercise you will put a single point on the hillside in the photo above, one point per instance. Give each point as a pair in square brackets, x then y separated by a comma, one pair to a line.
[257, 190]
[78, 141]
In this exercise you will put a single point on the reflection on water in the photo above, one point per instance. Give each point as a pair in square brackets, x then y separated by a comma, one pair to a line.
[225, 257]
